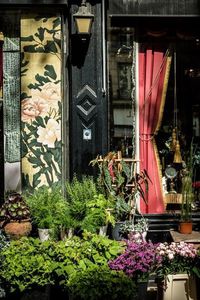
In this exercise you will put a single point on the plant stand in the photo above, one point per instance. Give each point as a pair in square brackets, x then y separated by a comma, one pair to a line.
[179, 287]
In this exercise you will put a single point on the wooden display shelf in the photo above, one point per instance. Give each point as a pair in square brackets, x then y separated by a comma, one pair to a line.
[193, 237]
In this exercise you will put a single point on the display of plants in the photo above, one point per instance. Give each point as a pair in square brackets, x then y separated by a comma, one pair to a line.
[14, 209]
[138, 260]
[28, 263]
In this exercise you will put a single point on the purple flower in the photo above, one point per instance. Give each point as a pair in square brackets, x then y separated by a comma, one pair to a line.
[138, 259]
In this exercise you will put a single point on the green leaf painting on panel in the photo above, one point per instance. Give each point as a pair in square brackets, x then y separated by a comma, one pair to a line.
[41, 107]
[50, 72]
[42, 44]
[29, 38]
[56, 23]
[40, 34]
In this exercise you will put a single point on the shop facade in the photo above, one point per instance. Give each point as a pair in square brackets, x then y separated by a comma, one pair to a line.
[125, 87]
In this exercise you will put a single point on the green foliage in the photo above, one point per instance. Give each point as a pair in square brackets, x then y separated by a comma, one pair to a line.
[89, 209]
[98, 213]
[48, 208]
[29, 263]
[187, 188]
[100, 283]
[80, 190]
[3, 241]
[25, 265]
[131, 226]
[119, 180]
[78, 194]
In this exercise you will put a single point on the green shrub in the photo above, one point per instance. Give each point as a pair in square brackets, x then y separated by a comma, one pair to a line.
[25, 265]
[100, 283]
[28, 263]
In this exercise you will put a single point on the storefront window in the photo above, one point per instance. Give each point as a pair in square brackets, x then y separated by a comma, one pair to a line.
[120, 84]
[162, 79]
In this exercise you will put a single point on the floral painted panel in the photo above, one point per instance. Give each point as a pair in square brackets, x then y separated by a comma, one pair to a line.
[41, 101]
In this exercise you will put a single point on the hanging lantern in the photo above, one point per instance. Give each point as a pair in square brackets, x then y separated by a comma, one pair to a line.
[177, 154]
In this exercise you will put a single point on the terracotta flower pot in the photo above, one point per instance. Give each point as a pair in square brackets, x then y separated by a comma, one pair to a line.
[16, 230]
[185, 227]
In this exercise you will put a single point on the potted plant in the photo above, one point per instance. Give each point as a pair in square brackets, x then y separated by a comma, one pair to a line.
[135, 230]
[48, 211]
[138, 261]
[185, 225]
[98, 214]
[101, 283]
[15, 216]
[176, 269]
[79, 192]
[119, 180]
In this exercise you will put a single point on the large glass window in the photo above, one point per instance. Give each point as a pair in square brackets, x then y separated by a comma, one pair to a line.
[179, 113]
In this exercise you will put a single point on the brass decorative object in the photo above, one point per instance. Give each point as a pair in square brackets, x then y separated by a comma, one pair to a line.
[177, 154]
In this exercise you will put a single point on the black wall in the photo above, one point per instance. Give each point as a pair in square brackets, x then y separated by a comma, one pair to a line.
[155, 7]
[88, 107]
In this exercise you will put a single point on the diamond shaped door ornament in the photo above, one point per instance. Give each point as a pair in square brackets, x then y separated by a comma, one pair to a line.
[86, 103]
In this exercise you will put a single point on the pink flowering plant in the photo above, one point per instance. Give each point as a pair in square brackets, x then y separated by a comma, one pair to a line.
[176, 258]
[138, 260]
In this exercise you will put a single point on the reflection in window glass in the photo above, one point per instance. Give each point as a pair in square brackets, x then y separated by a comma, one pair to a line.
[120, 80]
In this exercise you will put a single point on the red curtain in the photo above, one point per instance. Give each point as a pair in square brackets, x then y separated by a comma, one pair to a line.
[154, 65]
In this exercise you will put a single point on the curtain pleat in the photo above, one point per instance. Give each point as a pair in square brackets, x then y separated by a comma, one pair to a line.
[154, 64]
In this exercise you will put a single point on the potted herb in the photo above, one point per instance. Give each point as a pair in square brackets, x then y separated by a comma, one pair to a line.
[79, 192]
[98, 214]
[48, 210]
[15, 216]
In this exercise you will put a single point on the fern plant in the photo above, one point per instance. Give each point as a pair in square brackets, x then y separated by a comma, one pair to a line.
[78, 194]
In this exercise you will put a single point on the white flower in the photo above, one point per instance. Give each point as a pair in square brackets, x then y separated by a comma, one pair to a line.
[49, 134]
[170, 255]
